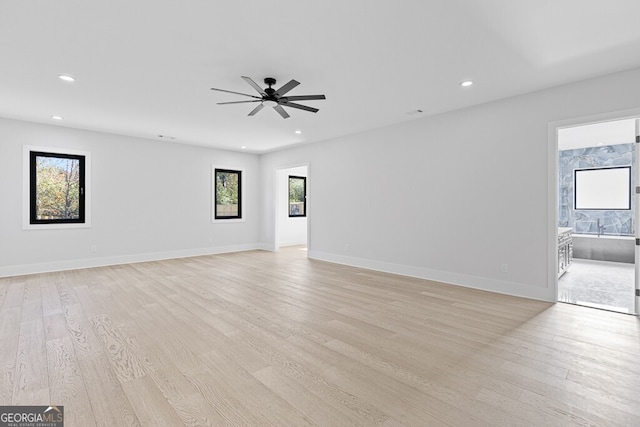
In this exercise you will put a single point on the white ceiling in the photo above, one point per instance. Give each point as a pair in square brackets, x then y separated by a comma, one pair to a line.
[145, 68]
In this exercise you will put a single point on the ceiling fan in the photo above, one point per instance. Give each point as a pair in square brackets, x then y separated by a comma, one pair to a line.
[270, 97]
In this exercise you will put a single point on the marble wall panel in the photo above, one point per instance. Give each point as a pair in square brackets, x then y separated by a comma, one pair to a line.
[615, 222]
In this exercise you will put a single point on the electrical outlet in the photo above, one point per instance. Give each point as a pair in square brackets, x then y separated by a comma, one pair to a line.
[94, 248]
[504, 268]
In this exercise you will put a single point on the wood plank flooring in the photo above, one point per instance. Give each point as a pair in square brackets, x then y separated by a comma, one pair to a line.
[260, 338]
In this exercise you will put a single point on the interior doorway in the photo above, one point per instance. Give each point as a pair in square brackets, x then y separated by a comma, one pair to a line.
[292, 213]
[597, 214]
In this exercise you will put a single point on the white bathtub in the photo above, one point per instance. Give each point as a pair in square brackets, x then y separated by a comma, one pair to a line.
[604, 247]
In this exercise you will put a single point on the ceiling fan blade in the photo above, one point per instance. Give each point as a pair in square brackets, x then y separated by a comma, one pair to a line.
[302, 98]
[281, 111]
[237, 93]
[255, 110]
[287, 87]
[299, 107]
[255, 85]
[238, 102]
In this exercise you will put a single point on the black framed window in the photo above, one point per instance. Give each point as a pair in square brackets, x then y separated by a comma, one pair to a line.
[297, 196]
[57, 188]
[228, 194]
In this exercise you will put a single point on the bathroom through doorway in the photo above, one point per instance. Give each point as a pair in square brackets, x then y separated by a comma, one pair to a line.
[597, 214]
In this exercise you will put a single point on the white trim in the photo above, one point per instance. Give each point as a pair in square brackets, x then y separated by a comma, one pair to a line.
[26, 192]
[552, 212]
[552, 183]
[456, 279]
[276, 208]
[243, 197]
[306, 206]
[47, 267]
[636, 218]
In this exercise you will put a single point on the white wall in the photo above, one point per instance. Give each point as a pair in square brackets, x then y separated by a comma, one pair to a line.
[291, 230]
[452, 197]
[150, 200]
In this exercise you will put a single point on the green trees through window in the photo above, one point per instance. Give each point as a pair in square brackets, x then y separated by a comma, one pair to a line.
[57, 188]
[297, 196]
[228, 194]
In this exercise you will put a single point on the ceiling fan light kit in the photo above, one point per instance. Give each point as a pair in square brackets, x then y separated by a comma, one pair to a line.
[270, 97]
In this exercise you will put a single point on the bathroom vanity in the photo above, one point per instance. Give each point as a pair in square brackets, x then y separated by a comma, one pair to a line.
[565, 249]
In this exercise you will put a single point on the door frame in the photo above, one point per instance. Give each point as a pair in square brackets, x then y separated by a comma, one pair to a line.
[278, 171]
[636, 194]
[552, 192]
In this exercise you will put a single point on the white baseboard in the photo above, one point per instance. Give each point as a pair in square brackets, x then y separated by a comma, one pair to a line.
[474, 282]
[482, 283]
[20, 270]
[267, 247]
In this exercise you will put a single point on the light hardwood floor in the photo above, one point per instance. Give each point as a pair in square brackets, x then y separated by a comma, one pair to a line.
[260, 338]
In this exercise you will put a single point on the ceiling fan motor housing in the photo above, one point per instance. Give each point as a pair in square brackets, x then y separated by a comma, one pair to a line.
[270, 81]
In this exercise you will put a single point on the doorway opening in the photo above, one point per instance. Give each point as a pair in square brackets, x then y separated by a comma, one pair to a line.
[597, 216]
[292, 213]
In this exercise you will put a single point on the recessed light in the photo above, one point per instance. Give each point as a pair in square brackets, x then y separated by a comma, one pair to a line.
[244, 147]
[67, 78]
[298, 132]
[466, 83]
[56, 117]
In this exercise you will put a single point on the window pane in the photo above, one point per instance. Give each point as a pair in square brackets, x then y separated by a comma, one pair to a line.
[297, 196]
[228, 196]
[57, 188]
